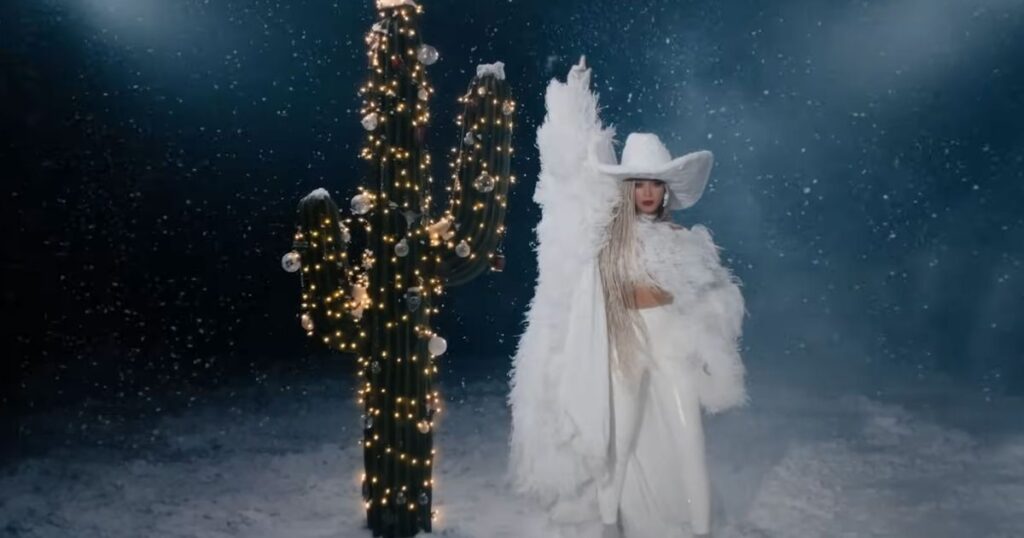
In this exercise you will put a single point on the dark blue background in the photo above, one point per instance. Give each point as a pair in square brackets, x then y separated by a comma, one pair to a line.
[867, 190]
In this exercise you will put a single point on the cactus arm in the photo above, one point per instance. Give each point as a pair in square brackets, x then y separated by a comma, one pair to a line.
[323, 242]
[481, 181]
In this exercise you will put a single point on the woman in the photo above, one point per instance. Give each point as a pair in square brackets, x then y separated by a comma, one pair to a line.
[633, 328]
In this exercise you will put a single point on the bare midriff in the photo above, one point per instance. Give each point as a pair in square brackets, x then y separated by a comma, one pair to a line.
[650, 296]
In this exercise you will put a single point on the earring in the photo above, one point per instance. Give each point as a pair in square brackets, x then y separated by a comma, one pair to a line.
[664, 200]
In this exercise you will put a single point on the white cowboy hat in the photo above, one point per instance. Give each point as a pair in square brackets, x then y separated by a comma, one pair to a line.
[645, 157]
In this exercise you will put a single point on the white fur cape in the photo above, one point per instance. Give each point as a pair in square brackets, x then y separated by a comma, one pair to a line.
[560, 384]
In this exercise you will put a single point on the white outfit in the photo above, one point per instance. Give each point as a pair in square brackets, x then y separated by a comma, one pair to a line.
[657, 482]
[658, 478]
[662, 475]
[584, 444]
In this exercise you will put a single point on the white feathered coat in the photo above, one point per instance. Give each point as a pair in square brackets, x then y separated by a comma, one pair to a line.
[560, 395]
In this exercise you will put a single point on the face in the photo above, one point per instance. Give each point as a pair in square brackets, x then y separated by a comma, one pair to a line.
[649, 194]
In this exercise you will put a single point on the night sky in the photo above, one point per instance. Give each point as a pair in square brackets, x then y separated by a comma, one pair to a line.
[868, 186]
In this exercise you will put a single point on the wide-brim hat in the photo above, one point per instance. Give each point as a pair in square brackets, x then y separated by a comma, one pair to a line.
[645, 157]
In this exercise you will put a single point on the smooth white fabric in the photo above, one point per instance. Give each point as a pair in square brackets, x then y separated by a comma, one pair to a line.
[658, 484]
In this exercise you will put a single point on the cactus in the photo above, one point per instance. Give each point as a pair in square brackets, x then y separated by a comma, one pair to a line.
[371, 281]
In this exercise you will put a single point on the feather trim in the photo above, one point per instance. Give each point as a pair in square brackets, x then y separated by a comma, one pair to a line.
[709, 305]
[554, 452]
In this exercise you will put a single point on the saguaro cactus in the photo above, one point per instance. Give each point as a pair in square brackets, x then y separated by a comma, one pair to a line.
[371, 280]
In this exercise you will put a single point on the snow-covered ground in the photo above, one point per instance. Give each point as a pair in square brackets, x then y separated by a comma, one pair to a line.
[797, 463]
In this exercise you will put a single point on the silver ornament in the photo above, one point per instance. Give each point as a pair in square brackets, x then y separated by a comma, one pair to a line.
[410, 216]
[361, 204]
[469, 139]
[484, 182]
[291, 262]
[462, 249]
[423, 426]
[402, 248]
[426, 54]
[437, 345]
[508, 107]
[370, 121]
[413, 299]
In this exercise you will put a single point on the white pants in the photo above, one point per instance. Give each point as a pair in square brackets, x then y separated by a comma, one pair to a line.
[659, 481]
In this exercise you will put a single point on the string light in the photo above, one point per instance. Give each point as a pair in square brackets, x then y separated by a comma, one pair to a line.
[363, 294]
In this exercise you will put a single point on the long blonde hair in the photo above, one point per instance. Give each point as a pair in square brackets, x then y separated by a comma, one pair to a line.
[627, 334]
